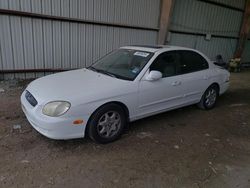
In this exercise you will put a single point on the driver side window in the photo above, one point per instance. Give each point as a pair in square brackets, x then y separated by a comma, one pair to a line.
[166, 63]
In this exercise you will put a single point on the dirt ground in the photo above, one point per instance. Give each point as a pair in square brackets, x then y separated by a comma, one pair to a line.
[182, 148]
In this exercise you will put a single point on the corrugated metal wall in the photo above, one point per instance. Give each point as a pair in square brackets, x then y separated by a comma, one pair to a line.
[192, 20]
[211, 48]
[234, 3]
[139, 12]
[31, 43]
[246, 53]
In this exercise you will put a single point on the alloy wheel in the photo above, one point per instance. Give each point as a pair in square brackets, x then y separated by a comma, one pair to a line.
[109, 124]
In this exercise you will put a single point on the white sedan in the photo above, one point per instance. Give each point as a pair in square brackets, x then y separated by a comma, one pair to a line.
[128, 84]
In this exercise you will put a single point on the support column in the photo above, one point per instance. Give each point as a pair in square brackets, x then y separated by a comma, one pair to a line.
[245, 28]
[166, 9]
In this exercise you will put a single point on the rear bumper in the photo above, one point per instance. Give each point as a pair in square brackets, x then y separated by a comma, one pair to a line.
[59, 128]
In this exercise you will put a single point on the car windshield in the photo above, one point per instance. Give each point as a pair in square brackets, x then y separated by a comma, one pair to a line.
[122, 63]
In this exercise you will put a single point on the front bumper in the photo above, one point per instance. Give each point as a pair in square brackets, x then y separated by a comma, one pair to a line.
[59, 128]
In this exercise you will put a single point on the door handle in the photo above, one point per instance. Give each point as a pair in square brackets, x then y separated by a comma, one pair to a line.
[176, 83]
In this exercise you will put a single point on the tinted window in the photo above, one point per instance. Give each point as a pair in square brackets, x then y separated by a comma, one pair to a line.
[166, 63]
[191, 62]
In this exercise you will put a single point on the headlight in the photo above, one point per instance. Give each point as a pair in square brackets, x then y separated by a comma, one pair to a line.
[56, 108]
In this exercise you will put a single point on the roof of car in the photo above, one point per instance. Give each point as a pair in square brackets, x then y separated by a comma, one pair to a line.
[155, 48]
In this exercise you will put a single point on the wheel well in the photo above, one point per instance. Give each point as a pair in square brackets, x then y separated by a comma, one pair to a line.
[217, 85]
[124, 107]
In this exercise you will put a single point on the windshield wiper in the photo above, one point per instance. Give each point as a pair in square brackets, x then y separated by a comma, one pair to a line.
[102, 71]
[92, 68]
[106, 72]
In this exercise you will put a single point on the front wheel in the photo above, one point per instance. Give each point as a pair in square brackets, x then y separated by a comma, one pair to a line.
[209, 98]
[107, 124]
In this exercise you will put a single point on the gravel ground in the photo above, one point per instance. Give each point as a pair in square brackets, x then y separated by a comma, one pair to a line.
[182, 148]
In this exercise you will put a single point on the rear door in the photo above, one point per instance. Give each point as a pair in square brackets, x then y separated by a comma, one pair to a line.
[193, 69]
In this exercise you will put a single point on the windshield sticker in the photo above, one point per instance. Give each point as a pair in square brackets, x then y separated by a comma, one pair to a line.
[135, 70]
[142, 54]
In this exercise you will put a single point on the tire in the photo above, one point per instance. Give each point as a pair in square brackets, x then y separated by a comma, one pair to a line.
[107, 124]
[209, 98]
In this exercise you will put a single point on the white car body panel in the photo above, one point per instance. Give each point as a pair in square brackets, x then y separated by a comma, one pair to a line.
[87, 90]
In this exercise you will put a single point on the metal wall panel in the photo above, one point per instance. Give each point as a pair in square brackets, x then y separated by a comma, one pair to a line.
[16, 28]
[38, 46]
[246, 53]
[233, 3]
[4, 4]
[6, 44]
[1, 58]
[36, 6]
[42, 44]
[197, 16]
[139, 12]
[27, 40]
[28, 43]
[215, 46]
[32, 43]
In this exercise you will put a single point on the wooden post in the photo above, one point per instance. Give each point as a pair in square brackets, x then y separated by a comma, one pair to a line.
[245, 28]
[166, 9]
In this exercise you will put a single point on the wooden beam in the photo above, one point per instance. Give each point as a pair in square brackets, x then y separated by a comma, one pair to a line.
[166, 9]
[244, 32]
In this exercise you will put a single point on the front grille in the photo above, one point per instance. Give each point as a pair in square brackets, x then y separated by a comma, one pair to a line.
[30, 99]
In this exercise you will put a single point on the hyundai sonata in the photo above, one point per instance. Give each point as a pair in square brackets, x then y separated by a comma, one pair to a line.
[128, 84]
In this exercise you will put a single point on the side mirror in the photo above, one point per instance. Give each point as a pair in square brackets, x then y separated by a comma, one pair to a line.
[154, 75]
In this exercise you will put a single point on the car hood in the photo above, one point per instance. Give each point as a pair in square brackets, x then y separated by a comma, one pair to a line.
[78, 85]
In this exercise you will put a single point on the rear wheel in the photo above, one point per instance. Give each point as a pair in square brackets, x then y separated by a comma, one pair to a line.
[209, 98]
[107, 124]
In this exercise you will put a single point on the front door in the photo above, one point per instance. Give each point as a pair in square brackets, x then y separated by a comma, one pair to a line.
[165, 93]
